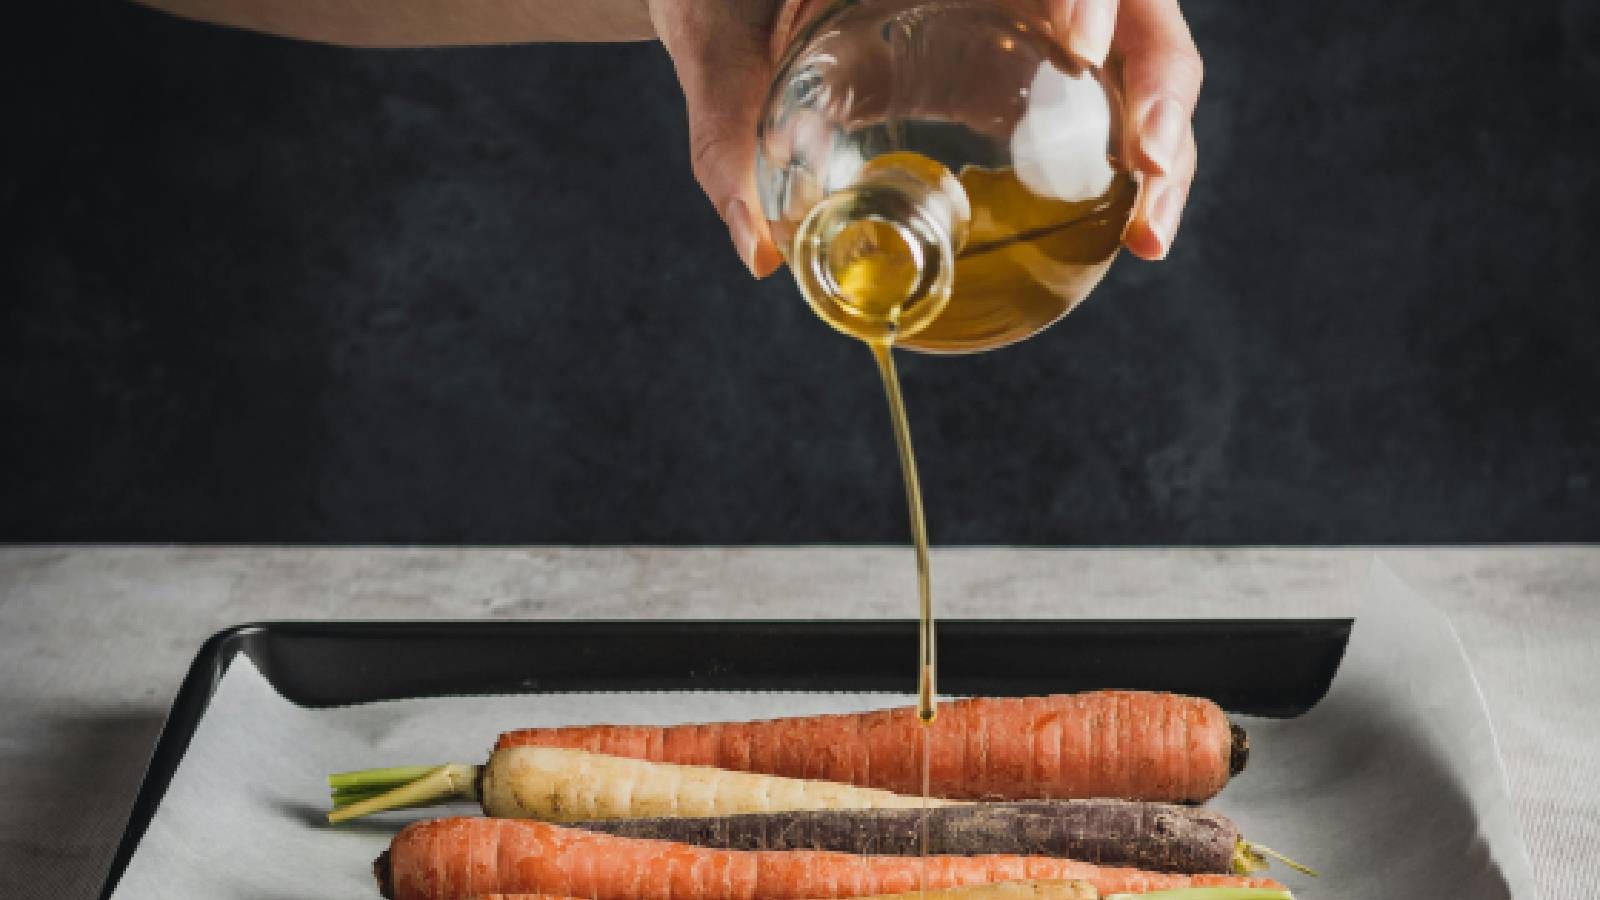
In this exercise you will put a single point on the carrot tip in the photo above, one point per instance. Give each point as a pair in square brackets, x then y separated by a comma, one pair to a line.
[382, 871]
[1239, 752]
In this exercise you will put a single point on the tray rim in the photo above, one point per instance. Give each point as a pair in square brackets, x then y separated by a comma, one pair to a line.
[217, 652]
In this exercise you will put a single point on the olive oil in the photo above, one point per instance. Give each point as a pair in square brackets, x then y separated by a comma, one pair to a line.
[1027, 260]
[927, 687]
[872, 263]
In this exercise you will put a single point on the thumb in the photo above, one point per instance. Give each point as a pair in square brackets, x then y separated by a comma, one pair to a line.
[720, 53]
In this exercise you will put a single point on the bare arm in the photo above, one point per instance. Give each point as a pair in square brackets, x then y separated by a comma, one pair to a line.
[724, 57]
[425, 23]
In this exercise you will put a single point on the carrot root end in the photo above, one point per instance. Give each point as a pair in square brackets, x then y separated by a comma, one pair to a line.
[382, 871]
[1239, 750]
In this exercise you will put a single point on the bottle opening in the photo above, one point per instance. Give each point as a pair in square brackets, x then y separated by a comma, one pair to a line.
[876, 267]
[874, 260]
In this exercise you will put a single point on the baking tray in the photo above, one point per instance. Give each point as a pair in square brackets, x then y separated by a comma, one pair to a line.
[1274, 668]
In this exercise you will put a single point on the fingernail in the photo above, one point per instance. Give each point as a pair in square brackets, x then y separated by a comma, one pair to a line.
[767, 259]
[743, 232]
[1161, 134]
[1162, 219]
[1090, 37]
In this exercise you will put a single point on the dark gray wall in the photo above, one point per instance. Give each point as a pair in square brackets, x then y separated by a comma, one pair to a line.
[266, 291]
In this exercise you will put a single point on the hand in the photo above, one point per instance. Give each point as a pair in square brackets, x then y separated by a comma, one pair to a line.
[1161, 72]
[724, 53]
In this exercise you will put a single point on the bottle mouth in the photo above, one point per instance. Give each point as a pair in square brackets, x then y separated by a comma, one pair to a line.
[874, 264]
[874, 267]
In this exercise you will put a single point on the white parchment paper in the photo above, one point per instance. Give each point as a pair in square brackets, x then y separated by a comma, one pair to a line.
[1391, 786]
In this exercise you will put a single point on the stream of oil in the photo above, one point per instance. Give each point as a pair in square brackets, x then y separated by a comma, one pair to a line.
[1026, 260]
[927, 684]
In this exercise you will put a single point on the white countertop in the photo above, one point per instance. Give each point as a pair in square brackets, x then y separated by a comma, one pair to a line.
[95, 640]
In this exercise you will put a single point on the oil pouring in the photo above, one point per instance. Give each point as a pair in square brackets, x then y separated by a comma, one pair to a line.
[942, 177]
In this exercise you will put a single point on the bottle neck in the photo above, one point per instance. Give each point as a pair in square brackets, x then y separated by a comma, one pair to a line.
[876, 259]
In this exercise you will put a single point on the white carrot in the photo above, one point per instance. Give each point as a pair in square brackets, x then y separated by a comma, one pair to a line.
[560, 785]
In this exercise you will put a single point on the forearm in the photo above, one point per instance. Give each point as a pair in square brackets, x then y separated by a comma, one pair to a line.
[421, 23]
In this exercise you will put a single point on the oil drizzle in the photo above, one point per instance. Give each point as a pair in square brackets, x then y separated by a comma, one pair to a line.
[927, 684]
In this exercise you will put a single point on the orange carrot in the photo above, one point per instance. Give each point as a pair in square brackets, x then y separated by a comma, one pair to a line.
[520, 897]
[449, 859]
[1128, 744]
[999, 890]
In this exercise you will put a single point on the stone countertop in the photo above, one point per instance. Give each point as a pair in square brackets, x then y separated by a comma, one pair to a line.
[95, 640]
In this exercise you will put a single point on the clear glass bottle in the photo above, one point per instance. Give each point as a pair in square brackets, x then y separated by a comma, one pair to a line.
[941, 174]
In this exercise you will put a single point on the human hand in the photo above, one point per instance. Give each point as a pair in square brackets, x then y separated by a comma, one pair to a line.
[725, 51]
[1161, 73]
[722, 51]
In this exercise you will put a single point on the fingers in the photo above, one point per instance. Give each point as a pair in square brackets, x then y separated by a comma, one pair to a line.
[722, 148]
[1154, 226]
[720, 53]
[1161, 75]
[1085, 26]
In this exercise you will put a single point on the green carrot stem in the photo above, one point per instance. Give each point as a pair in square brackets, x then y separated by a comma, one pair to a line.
[1208, 894]
[341, 806]
[380, 786]
[1247, 860]
[370, 789]
[434, 784]
[377, 778]
[1260, 852]
[342, 799]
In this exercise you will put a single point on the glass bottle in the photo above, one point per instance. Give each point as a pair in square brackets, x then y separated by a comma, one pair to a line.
[940, 174]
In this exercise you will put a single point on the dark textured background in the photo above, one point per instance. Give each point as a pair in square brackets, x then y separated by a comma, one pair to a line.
[266, 291]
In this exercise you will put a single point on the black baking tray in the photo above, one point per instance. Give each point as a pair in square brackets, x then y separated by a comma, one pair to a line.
[1278, 668]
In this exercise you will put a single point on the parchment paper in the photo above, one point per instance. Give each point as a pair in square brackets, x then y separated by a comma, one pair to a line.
[1392, 786]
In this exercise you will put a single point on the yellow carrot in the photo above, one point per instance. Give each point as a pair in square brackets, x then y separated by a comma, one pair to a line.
[561, 785]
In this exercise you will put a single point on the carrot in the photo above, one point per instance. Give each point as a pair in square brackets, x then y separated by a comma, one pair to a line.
[1128, 744]
[1026, 890]
[1000, 890]
[560, 785]
[520, 897]
[1160, 837]
[557, 784]
[445, 859]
